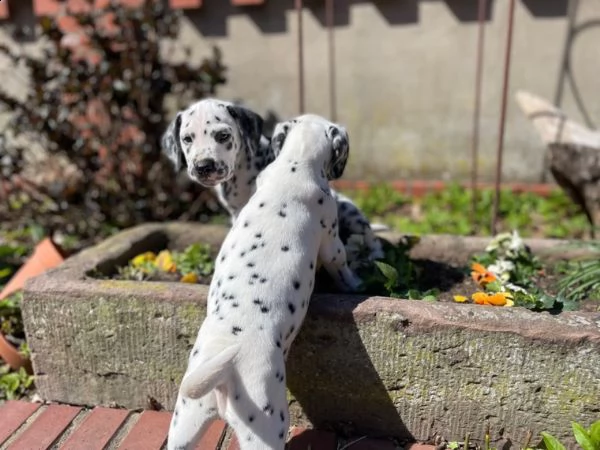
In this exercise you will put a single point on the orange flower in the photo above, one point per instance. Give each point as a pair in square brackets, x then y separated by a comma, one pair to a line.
[494, 299]
[481, 275]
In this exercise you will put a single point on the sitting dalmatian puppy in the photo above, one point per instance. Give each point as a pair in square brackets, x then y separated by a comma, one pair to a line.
[264, 277]
[222, 147]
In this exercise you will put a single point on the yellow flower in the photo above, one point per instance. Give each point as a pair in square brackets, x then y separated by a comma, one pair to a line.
[189, 278]
[164, 261]
[493, 299]
[460, 298]
[143, 258]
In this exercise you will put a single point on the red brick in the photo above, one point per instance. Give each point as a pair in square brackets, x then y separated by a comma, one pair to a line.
[4, 13]
[247, 2]
[12, 415]
[46, 428]
[303, 439]
[212, 437]
[149, 432]
[371, 444]
[185, 4]
[96, 430]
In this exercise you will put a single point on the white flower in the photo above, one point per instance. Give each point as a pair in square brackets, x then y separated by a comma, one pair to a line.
[497, 242]
[514, 288]
[502, 268]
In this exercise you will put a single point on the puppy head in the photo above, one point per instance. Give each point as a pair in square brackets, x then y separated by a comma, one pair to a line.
[335, 133]
[207, 138]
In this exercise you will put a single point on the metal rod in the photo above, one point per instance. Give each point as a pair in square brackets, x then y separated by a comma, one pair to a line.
[298, 4]
[329, 18]
[477, 111]
[509, 36]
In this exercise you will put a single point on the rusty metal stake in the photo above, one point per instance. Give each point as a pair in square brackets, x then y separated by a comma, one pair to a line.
[329, 18]
[509, 35]
[477, 111]
[298, 4]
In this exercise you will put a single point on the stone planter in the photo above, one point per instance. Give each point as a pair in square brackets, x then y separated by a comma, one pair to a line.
[381, 366]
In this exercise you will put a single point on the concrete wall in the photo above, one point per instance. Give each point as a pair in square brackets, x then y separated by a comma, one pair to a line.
[405, 75]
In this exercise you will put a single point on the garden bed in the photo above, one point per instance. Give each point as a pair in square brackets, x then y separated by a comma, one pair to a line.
[378, 365]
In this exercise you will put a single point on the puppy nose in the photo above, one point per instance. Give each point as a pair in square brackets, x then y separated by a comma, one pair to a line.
[205, 167]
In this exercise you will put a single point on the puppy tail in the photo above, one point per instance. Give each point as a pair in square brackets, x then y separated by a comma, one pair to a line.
[209, 374]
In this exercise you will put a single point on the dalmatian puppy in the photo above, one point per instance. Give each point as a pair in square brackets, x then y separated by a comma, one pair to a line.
[222, 147]
[352, 220]
[236, 369]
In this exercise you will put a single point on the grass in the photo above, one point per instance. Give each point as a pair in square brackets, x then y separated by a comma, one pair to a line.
[449, 212]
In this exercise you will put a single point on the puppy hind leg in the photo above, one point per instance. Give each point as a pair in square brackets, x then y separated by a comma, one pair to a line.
[257, 410]
[190, 421]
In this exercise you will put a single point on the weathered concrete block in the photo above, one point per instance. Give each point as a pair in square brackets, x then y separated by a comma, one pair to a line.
[379, 365]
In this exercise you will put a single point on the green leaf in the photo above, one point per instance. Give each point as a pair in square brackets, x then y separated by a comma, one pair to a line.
[390, 273]
[494, 286]
[582, 437]
[551, 442]
[5, 272]
[594, 433]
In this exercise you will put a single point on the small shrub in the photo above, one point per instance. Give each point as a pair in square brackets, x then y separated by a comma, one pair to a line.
[97, 107]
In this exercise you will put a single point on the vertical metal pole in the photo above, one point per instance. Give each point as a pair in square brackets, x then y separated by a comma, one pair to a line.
[298, 4]
[477, 110]
[500, 149]
[329, 17]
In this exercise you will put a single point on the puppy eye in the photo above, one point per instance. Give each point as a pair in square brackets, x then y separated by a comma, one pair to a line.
[222, 136]
[187, 139]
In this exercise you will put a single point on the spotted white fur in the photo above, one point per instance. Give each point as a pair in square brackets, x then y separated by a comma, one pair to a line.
[221, 145]
[263, 280]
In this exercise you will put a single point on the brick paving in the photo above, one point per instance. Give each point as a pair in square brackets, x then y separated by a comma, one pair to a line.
[33, 426]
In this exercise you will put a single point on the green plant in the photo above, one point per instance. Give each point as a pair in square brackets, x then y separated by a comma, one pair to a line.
[448, 212]
[14, 384]
[379, 199]
[97, 107]
[588, 439]
[581, 279]
[195, 263]
[396, 275]
[196, 258]
[11, 322]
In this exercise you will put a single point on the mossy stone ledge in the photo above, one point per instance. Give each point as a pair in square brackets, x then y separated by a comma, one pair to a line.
[373, 365]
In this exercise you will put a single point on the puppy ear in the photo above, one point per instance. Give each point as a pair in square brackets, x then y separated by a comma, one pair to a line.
[171, 144]
[340, 145]
[279, 134]
[250, 125]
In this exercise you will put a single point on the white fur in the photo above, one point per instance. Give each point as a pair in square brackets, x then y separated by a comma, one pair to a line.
[263, 280]
[243, 163]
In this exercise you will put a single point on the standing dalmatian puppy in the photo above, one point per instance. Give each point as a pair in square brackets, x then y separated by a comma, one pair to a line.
[263, 280]
[352, 220]
[222, 147]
